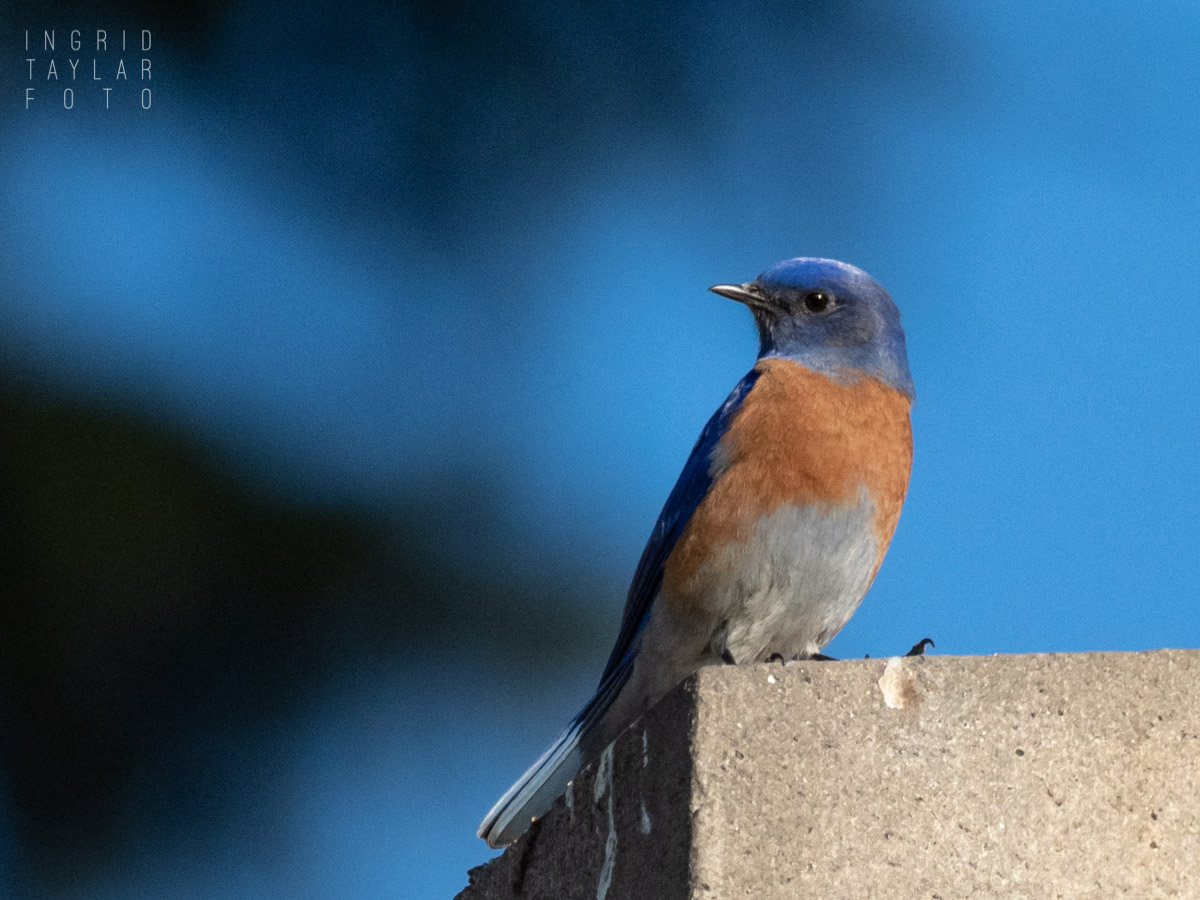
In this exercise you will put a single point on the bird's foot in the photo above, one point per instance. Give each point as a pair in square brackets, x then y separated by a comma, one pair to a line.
[918, 649]
[783, 661]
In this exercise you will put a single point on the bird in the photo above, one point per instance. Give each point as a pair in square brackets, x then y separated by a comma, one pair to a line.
[778, 522]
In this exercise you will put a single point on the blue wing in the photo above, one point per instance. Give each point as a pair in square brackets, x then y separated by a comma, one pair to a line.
[689, 490]
[534, 791]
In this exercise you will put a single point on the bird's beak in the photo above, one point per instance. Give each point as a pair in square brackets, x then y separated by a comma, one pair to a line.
[747, 293]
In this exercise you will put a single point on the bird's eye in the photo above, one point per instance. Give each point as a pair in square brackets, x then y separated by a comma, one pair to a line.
[817, 302]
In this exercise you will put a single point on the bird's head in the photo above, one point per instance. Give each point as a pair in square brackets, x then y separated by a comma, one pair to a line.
[830, 317]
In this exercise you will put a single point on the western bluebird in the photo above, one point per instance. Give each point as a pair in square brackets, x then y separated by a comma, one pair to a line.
[778, 522]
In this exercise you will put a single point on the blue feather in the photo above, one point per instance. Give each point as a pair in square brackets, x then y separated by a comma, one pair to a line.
[535, 791]
[687, 494]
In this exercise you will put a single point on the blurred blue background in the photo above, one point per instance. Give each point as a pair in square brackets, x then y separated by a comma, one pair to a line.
[340, 389]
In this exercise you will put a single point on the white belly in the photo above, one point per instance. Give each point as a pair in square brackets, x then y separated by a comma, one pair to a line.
[791, 587]
[786, 590]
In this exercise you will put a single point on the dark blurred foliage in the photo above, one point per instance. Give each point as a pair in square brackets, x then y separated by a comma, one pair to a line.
[449, 119]
[150, 597]
[145, 592]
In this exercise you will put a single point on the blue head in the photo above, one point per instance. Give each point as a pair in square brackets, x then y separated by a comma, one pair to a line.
[831, 317]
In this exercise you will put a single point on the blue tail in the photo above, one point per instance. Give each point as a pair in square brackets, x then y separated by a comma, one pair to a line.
[547, 778]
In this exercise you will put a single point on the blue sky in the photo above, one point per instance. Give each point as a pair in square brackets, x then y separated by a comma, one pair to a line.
[1025, 185]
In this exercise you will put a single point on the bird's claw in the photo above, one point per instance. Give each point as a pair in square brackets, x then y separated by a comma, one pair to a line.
[918, 649]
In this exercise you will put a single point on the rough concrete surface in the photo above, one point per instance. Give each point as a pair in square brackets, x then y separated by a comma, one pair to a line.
[1058, 775]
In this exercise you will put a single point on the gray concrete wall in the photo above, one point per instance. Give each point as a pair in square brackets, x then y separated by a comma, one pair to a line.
[1060, 775]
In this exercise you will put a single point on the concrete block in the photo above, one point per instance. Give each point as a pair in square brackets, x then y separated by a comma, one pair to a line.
[1057, 775]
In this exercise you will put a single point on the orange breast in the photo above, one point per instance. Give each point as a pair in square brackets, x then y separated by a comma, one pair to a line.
[800, 438]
